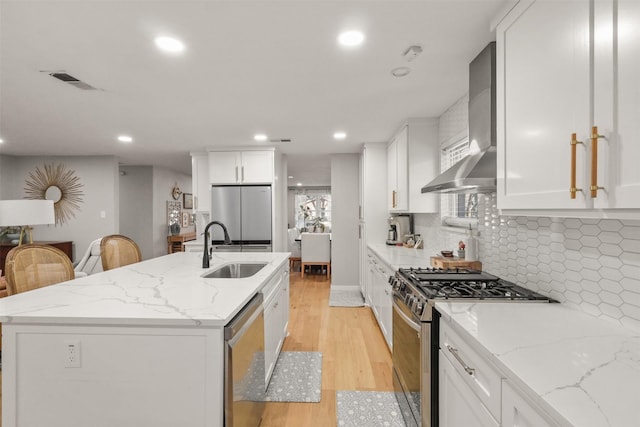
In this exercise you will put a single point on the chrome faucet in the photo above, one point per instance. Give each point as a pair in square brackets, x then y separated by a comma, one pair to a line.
[227, 241]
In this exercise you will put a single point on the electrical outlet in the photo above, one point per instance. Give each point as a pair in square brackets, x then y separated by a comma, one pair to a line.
[72, 354]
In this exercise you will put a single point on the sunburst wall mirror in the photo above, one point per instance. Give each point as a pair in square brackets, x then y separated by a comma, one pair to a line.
[57, 183]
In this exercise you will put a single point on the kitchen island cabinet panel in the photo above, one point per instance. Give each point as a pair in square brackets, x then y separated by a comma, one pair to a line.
[140, 376]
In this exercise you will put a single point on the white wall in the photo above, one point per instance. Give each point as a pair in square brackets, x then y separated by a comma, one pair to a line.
[344, 219]
[98, 176]
[136, 206]
[163, 181]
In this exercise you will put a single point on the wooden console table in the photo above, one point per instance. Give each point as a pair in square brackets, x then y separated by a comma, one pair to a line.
[66, 247]
[175, 243]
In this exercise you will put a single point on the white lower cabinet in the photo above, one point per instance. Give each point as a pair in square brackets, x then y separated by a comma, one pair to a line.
[473, 392]
[276, 319]
[380, 295]
[518, 412]
[459, 407]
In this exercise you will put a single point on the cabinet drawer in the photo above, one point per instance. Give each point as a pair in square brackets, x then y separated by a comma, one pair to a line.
[484, 381]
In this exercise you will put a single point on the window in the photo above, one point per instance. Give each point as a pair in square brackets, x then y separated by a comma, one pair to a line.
[313, 210]
[457, 209]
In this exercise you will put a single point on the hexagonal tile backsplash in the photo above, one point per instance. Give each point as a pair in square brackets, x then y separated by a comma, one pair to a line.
[592, 265]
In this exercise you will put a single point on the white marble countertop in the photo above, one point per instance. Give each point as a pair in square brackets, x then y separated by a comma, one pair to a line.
[167, 290]
[583, 370]
[401, 257]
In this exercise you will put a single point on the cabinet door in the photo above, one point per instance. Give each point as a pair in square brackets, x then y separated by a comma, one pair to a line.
[256, 167]
[517, 412]
[271, 334]
[402, 170]
[200, 182]
[543, 96]
[224, 167]
[459, 407]
[617, 103]
[387, 310]
[392, 176]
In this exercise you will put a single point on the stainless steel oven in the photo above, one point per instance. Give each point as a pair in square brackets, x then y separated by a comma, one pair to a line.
[416, 330]
[409, 362]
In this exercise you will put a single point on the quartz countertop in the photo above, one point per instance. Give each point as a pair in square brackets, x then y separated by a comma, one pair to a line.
[167, 290]
[582, 370]
[400, 257]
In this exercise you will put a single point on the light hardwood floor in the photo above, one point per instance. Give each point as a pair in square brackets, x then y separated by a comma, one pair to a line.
[354, 353]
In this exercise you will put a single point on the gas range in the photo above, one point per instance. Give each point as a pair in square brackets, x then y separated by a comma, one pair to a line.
[415, 355]
[417, 287]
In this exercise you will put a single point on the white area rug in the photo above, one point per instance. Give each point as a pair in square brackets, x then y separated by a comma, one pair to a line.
[346, 298]
[368, 408]
[297, 377]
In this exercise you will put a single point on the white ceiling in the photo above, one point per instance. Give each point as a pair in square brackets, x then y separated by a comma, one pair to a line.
[249, 67]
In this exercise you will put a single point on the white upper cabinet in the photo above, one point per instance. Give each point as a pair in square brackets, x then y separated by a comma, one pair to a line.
[617, 103]
[542, 98]
[413, 159]
[200, 182]
[565, 80]
[398, 192]
[241, 167]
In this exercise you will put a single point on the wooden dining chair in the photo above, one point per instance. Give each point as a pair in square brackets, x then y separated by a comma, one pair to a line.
[34, 266]
[315, 250]
[117, 250]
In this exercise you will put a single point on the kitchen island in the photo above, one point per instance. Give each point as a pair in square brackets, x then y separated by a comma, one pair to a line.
[149, 338]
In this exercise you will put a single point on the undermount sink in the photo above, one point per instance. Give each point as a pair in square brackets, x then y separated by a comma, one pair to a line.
[235, 271]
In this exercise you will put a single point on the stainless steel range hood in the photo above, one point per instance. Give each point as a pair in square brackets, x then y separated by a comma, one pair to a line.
[476, 173]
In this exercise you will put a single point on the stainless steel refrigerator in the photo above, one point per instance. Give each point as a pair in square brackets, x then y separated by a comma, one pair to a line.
[246, 212]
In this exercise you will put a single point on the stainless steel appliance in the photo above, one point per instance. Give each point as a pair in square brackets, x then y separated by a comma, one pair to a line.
[399, 226]
[244, 386]
[416, 330]
[245, 210]
[477, 172]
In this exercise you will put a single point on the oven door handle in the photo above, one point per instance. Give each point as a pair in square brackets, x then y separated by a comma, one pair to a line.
[415, 326]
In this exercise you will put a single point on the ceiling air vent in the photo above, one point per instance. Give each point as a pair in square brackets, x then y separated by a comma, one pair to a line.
[68, 78]
[282, 140]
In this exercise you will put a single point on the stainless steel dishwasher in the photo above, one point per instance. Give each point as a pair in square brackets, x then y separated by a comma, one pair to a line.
[244, 386]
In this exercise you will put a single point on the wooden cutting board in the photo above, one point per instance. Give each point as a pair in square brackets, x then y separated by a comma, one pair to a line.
[454, 262]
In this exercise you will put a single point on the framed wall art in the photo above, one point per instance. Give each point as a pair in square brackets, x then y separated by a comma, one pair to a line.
[187, 200]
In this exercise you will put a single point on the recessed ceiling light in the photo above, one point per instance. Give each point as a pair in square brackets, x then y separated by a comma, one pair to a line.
[1, 141]
[351, 38]
[400, 71]
[299, 184]
[290, 177]
[169, 44]
[260, 137]
[339, 135]
[125, 138]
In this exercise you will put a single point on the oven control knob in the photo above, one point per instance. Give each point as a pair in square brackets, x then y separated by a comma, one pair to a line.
[419, 308]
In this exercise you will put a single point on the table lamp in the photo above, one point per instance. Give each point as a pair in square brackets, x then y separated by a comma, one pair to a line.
[25, 213]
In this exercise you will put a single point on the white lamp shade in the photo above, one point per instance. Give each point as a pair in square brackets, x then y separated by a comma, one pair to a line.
[15, 213]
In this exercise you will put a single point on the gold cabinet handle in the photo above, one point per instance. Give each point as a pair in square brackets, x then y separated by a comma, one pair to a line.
[594, 162]
[393, 199]
[574, 142]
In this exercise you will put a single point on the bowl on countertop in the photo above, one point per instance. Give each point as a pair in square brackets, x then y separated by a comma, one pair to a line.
[447, 254]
